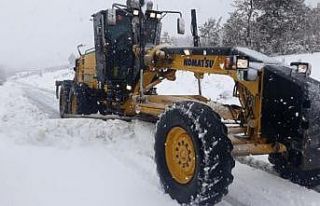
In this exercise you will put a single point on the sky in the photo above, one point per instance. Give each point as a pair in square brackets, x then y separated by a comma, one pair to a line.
[43, 33]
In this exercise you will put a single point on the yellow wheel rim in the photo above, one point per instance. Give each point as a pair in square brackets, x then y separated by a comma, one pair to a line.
[74, 104]
[180, 155]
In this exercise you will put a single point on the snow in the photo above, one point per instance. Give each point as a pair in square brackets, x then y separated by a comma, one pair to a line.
[216, 87]
[50, 161]
[46, 160]
[257, 55]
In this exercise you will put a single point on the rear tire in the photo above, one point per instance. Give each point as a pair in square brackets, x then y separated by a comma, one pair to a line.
[82, 101]
[284, 164]
[64, 100]
[213, 161]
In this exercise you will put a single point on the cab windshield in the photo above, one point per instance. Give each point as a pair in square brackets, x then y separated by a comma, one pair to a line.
[152, 31]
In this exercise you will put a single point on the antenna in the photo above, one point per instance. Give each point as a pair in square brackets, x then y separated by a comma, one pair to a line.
[196, 41]
[194, 28]
[155, 3]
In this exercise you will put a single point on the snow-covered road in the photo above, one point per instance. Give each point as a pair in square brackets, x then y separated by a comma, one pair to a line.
[50, 161]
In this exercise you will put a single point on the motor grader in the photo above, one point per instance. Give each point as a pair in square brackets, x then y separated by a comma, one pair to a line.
[196, 140]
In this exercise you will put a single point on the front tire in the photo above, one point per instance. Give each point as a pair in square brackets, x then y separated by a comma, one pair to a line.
[193, 154]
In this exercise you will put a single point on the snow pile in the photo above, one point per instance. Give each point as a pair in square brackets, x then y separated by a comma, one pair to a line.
[52, 161]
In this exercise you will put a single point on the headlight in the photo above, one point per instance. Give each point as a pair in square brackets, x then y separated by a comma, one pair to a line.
[242, 62]
[187, 52]
[152, 15]
[302, 68]
[159, 16]
[136, 12]
[129, 88]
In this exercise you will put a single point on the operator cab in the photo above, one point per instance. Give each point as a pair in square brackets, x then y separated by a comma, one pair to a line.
[122, 35]
[153, 27]
[117, 33]
[113, 45]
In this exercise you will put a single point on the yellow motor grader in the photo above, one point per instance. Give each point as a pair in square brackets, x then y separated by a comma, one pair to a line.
[196, 141]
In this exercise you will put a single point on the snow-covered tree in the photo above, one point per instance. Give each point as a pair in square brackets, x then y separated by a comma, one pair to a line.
[211, 33]
[247, 12]
[240, 28]
[273, 27]
[234, 33]
[313, 33]
[282, 25]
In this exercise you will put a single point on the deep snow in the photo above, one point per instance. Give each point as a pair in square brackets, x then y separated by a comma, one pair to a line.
[46, 160]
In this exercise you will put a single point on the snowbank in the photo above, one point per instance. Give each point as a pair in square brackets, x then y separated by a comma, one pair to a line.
[52, 161]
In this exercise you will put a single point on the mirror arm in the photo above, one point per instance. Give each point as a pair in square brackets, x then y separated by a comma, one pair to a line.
[78, 48]
[118, 6]
[173, 12]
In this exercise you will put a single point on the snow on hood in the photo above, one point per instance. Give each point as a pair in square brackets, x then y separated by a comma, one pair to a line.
[257, 56]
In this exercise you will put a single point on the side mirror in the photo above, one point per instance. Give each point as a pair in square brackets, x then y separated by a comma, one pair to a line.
[181, 26]
[111, 17]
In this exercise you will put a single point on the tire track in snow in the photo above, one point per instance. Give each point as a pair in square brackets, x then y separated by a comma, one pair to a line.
[257, 164]
[49, 92]
[233, 201]
[263, 166]
[139, 169]
[142, 163]
[42, 98]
